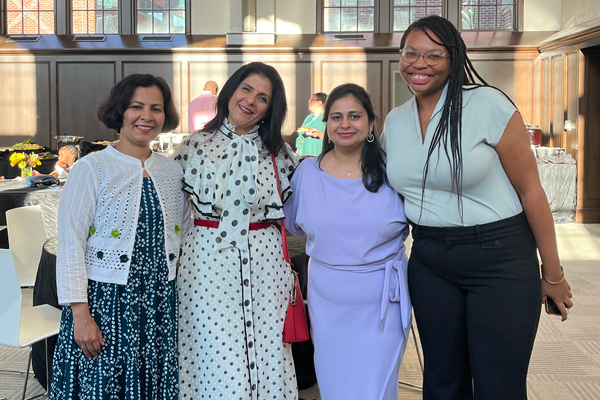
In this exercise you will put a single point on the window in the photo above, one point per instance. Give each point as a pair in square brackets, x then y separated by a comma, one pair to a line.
[488, 14]
[349, 15]
[95, 17]
[160, 16]
[30, 17]
[408, 11]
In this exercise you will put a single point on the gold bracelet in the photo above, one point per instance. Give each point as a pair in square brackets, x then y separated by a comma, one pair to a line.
[561, 279]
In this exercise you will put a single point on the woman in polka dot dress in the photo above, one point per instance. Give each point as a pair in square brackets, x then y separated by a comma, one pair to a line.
[121, 218]
[233, 282]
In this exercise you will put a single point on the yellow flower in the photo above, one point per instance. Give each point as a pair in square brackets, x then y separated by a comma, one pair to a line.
[22, 164]
[16, 158]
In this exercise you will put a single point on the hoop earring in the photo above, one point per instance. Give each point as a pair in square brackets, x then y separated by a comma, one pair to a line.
[370, 137]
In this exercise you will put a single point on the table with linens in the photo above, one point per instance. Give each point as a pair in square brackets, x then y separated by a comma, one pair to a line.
[14, 194]
[558, 176]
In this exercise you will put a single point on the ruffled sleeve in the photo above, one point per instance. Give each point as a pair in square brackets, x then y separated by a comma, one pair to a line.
[190, 154]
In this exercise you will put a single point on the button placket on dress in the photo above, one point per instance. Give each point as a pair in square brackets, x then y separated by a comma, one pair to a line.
[247, 307]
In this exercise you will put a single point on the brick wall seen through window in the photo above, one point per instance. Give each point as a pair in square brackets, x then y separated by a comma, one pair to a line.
[408, 11]
[30, 17]
[160, 16]
[349, 15]
[488, 14]
[96, 17]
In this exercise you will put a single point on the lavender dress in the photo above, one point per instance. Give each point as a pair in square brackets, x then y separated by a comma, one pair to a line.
[358, 298]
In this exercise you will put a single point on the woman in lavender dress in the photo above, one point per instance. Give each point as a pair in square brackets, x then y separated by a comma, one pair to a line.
[355, 225]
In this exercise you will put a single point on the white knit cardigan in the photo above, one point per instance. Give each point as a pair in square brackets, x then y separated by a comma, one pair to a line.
[98, 215]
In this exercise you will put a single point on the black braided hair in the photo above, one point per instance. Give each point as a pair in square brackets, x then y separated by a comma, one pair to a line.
[462, 77]
[373, 164]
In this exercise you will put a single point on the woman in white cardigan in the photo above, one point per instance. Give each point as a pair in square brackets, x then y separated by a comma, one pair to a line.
[121, 216]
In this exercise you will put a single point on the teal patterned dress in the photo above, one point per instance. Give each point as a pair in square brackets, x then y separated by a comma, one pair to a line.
[137, 321]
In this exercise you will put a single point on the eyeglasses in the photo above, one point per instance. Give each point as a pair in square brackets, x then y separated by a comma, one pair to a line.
[431, 58]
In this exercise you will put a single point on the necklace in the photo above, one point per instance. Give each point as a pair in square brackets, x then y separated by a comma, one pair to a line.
[349, 171]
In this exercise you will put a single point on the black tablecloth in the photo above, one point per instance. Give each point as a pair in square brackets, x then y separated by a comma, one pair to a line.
[14, 194]
[44, 292]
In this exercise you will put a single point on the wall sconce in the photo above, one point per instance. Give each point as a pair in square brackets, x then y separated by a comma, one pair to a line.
[570, 126]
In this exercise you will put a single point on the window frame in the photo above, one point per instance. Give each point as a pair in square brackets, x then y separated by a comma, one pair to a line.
[187, 15]
[384, 13]
[391, 13]
[71, 18]
[321, 18]
[4, 21]
[63, 19]
[517, 18]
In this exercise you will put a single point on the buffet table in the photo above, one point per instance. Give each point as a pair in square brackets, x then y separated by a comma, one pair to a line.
[14, 194]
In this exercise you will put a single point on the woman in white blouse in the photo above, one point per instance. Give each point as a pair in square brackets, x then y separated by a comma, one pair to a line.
[121, 217]
[233, 282]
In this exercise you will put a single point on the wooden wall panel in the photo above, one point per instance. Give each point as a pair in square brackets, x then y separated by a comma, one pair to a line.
[171, 72]
[572, 101]
[513, 77]
[25, 102]
[592, 137]
[546, 101]
[81, 87]
[368, 74]
[558, 101]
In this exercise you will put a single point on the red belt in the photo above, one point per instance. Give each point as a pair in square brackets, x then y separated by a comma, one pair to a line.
[254, 226]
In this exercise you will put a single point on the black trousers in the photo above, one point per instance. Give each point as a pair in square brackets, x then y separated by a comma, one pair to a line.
[476, 294]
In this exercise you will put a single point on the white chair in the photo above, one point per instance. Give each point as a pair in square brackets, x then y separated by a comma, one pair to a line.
[23, 327]
[26, 237]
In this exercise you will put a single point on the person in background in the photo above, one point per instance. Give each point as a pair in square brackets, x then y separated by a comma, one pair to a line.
[459, 153]
[120, 220]
[358, 300]
[233, 279]
[203, 108]
[309, 142]
[67, 156]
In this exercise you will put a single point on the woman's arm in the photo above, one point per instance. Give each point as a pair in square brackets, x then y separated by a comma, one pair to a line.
[75, 219]
[519, 163]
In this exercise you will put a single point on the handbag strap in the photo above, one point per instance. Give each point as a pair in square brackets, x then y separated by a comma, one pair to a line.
[286, 253]
[292, 276]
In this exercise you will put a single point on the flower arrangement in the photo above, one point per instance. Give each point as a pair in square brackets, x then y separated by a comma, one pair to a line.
[25, 162]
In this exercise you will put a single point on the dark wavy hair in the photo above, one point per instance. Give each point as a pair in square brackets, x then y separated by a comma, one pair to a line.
[111, 111]
[462, 77]
[372, 162]
[270, 127]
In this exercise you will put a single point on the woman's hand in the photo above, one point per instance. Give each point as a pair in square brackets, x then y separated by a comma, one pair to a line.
[86, 332]
[561, 294]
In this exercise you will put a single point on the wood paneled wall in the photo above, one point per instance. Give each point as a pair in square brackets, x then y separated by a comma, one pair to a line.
[59, 93]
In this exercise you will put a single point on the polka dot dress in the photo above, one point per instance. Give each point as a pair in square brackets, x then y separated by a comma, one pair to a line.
[138, 322]
[233, 282]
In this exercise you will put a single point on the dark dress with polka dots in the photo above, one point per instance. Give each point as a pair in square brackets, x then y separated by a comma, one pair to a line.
[233, 282]
[138, 322]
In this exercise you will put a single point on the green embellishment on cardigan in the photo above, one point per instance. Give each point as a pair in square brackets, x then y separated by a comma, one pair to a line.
[177, 229]
[92, 230]
[115, 233]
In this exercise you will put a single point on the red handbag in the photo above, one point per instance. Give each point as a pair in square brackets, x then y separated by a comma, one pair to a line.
[295, 327]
